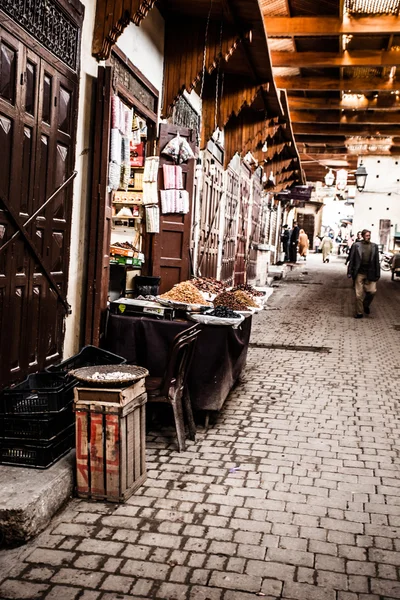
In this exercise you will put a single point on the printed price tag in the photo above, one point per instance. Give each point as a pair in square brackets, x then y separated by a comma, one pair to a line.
[153, 310]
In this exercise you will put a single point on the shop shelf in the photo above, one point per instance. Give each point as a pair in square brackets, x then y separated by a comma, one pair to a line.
[89, 356]
[42, 427]
[39, 455]
[39, 393]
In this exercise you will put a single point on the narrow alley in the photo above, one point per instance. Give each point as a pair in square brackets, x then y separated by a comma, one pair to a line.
[292, 492]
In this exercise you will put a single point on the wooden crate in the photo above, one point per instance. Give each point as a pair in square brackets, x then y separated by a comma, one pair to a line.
[101, 395]
[110, 446]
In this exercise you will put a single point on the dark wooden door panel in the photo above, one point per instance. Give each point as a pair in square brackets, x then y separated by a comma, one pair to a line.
[100, 213]
[255, 231]
[241, 244]
[171, 259]
[231, 215]
[210, 216]
[37, 137]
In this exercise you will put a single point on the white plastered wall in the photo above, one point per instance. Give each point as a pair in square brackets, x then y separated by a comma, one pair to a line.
[144, 46]
[381, 197]
[81, 189]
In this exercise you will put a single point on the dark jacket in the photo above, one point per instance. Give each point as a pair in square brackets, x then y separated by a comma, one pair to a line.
[294, 235]
[374, 268]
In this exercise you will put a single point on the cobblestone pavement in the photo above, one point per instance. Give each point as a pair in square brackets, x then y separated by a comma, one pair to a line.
[293, 492]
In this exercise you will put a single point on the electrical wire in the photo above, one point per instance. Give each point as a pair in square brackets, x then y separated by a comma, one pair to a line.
[205, 50]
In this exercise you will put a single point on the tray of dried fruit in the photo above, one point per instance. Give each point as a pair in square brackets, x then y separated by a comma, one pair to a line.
[109, 374]
[221, 315]
[184, 296]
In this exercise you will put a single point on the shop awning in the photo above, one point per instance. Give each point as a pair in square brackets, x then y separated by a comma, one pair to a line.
[112, 16]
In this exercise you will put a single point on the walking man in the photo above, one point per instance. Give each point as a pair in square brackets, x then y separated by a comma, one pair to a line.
[293, 241]
[285, 235]
[364, 268]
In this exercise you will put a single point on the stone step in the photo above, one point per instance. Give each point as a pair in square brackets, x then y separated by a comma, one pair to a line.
[29, 498]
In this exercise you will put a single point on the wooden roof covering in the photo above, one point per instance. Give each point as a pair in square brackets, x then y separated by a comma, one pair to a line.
[227, 40]
[238, 93]
[344, 99]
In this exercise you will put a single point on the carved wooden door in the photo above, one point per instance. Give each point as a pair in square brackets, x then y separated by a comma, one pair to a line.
[232, 204]
[255, 226]
[38, 104]
[241, 244]
[170, 256]
[210, 216]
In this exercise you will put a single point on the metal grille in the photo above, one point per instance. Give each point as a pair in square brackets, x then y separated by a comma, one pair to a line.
[282, 44]
[372, 7]
[361, 72]
[286, 71]
[46, 22]
[126, 78]
[274, 8]
[184, 115]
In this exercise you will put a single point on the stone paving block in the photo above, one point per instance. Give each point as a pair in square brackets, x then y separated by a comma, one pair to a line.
[100, 547]
[117, 583]
[89, 561]
[89, 579]
[14, 589]
[64, 592]
[140, 568]
[270, 569]
[171, 591]
[293, 557]
[303, 591]
[160, 540]
[235, 581]
[112, 565]
[39, 574]
[199, 592]
[142, 587]
[52, 557]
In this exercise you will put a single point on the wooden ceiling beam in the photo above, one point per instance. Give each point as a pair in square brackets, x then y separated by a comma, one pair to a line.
[345, 117]
[361, 58]
[331, 26]
[329, 141]
[386, 103]
[324, 153]
[322, 129]
[354, 85]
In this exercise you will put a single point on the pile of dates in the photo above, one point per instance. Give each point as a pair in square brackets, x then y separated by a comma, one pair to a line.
[223, 312]
[246, 287]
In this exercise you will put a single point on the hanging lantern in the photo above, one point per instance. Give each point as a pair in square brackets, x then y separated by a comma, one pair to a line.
[213, 169]
[341, 179]
[329, 178]
[361, 177]
[264, 177]
[265, 147]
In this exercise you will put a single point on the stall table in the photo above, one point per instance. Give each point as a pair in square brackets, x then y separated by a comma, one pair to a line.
[218, 361]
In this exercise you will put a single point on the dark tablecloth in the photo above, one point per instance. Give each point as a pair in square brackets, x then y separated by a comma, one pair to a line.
[219, 357]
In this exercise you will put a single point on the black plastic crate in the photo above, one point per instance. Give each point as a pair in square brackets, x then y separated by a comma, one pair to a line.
[31, 453]
[89, 356]
[39, 393]
[38, 426]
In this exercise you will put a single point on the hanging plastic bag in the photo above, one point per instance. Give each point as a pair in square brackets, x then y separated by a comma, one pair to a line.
[185, 151]
[172, 148]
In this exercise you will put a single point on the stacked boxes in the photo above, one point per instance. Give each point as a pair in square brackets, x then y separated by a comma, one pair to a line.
[37, 421]
[36, 417]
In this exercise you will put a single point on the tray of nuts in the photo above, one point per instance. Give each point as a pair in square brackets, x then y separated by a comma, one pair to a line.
[221, 315]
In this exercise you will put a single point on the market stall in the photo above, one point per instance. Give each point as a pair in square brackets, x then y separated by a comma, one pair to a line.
[142, 331]
[219, 358]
